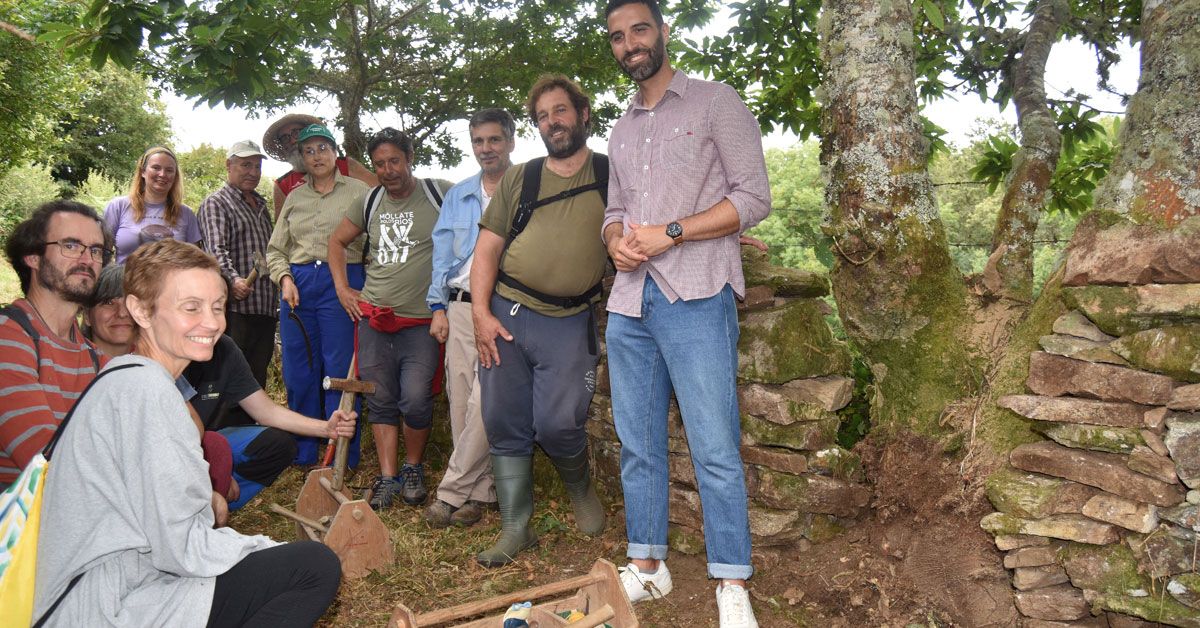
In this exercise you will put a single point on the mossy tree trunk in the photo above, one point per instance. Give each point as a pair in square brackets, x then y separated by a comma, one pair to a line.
[1156, 175]
[1009, 272]
[902, 300]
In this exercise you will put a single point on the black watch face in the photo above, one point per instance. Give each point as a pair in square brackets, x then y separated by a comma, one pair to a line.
[674, 230]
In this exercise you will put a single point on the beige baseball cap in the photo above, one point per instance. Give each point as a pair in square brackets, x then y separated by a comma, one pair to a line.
[245, 148]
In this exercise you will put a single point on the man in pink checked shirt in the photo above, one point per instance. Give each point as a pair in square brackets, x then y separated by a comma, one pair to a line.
[687, 177]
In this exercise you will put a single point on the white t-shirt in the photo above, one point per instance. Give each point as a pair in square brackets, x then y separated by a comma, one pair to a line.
[462, 281]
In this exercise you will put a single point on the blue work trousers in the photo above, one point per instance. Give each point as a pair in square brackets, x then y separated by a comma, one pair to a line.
[327, 352]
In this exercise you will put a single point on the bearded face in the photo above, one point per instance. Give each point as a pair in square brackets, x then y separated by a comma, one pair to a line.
[564, 139]
[643, 62]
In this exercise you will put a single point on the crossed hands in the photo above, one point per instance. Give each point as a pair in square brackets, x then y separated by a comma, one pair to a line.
[638, 244]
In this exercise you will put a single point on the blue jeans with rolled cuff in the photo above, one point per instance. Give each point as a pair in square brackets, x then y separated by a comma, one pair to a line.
[689, 347]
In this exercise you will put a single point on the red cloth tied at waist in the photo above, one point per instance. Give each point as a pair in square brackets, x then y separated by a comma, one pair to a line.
[384, 319]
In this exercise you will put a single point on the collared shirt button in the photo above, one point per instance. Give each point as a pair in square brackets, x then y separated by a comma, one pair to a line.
[676, 130]
[645, 194]
[622, 146]
[651, 114]
[645, 222]
[646, 167]
[647, 140]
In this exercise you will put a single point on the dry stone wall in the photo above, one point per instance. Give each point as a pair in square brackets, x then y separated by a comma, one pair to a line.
[792, 380]
[1100, 522]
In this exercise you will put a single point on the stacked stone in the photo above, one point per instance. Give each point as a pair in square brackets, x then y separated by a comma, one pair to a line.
[792, 379]
[1095, 518]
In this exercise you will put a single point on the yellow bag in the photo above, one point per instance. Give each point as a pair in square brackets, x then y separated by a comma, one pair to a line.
[20, 517]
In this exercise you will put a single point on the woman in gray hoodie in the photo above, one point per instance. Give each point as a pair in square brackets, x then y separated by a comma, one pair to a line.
[127, 534]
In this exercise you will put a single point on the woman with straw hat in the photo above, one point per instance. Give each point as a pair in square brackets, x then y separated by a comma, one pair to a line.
[280, 143]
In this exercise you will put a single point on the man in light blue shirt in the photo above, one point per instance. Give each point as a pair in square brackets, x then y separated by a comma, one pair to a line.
[467, 487]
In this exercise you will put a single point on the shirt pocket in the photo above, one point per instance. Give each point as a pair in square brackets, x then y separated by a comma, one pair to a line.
[680, 145]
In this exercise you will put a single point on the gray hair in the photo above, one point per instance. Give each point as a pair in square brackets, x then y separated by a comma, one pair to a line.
[108, 284]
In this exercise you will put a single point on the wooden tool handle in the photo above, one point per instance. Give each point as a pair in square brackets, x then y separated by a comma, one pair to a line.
[595, 618]
[298, 518]
[252, 276]
[343, 443]
[504, 601]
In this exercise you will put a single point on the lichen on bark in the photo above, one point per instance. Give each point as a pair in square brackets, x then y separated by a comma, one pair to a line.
[902, 300]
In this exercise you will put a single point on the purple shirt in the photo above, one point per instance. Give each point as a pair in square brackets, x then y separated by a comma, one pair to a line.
[118, 215]
[697, 146]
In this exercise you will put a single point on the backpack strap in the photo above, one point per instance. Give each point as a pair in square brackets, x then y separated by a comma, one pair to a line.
[22, 319]
[370, 204]
[531, 185]
[432, 192]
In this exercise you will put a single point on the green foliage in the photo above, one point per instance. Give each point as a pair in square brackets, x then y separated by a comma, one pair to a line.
[792, 230]
[35, 85]
[60, 112]
[1088, 151]
[117, 119]
[431, 62]
[98, 190]
[203, 171]
[21, 189]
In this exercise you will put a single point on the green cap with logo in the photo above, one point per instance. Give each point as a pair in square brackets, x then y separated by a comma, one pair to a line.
[315, 130]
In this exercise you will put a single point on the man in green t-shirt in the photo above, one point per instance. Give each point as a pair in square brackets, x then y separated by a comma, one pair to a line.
[395, 348]
[532, 299]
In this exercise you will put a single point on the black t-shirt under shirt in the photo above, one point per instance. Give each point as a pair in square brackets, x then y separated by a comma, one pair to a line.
[221, 383]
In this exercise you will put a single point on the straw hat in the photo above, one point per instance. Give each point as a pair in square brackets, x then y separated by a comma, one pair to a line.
[271, 142]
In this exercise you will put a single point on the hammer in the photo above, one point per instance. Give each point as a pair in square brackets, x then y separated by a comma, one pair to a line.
[260, 267]
[349, 387]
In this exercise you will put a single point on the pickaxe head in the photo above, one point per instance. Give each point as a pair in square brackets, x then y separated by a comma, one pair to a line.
[348, 385]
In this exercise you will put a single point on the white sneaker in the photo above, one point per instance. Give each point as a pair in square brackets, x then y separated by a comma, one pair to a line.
[734, 607]
[645, 586]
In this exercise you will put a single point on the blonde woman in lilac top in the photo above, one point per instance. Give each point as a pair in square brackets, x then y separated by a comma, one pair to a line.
[154, 208]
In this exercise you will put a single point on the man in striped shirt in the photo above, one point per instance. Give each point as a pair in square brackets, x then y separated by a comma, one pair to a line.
[57, 254]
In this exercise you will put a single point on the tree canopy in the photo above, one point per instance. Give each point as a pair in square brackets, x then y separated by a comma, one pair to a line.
[430, 62]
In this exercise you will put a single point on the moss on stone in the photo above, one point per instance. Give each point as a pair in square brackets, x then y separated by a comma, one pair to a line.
[823, 528]
[1158, 607]
[1172, 351]
[789, 342]
[806, 436]
[1109, 569]
[838, 462]
[1121, 310]
[1001, 429]
[785, 282]
[685, 541]
[1022, 494]
[1118, 440]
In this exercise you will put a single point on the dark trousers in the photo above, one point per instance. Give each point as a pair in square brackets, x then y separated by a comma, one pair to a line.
[540, 391]
[255, 336]
[286, 585]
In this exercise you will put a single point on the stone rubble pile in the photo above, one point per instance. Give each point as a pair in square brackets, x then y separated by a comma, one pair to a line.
[792, 380]
[1104, 515]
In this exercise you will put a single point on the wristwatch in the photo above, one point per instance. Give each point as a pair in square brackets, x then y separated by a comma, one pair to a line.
[675, 232]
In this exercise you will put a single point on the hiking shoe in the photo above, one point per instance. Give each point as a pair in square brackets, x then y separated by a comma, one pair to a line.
[734, 607]
[439, 514]
[383, 490]
[468, 514]
[412, 476]
[645, 586]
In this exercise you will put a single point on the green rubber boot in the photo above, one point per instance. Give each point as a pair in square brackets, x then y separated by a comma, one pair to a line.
[577, 477]
[514, 490]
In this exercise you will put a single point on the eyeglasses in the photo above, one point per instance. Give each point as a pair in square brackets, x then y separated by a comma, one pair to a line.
[73, 249]
[288, 135]
[320, 147]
